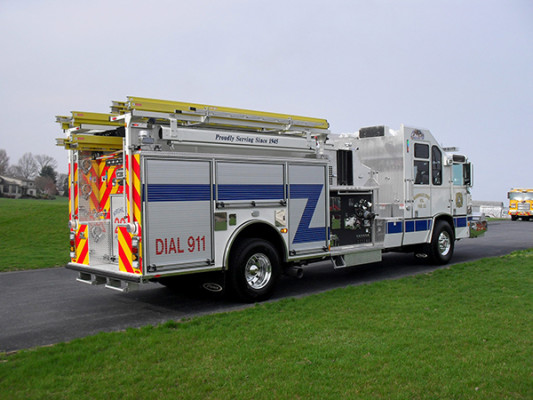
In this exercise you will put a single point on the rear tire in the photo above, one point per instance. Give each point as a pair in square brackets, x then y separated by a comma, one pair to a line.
[440, 250]
[254, 269]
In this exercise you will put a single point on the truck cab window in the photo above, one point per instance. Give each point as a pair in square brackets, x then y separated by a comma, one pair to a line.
[421, 167]
[436, 165]
[421, 150]
[421, 172]
[467, 174]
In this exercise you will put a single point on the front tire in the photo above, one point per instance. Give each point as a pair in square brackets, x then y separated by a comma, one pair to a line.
[254, 269]
[440, 250]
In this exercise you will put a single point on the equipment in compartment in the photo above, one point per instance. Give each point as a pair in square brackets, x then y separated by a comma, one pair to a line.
[351, 218]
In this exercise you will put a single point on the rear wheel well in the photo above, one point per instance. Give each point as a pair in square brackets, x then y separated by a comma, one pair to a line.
[262, 231]
[254, 262]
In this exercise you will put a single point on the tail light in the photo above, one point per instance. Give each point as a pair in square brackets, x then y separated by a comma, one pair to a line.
[72, 245]
[135, 252]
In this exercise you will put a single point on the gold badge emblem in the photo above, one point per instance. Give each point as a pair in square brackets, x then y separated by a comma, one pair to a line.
[458, 200]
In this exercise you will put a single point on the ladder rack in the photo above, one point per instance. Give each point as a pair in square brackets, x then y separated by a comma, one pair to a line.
[226, 115]
[193, 115]
[85, 121]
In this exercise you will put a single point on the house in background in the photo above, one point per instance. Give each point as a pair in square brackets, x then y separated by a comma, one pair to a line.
[16, 188]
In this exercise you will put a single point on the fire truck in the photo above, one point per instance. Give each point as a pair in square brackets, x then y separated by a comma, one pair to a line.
[520, 204]
[160, 190]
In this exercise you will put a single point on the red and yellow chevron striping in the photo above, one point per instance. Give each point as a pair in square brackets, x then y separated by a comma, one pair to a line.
[124, 250]
[97, 185]
[136, 189]
[106, 188]
[82, 245]
[125, 255]
[135, 173]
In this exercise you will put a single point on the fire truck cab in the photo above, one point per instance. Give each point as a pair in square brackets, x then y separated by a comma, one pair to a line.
[520, 204]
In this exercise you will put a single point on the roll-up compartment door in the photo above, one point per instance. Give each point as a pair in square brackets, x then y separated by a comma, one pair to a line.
[178, 213]
[307, 208]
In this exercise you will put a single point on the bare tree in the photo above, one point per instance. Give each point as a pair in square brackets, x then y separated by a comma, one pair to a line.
[26, 167]
[44, 160]
[46, 185]
[4, 162]
[62, 184]
[14, 171]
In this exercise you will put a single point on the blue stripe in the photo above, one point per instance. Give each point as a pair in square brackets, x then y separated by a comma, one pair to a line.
[460, 222]
[178, 192]
[421, 225]
[304, 233]
[161, 192]
[415, 225]
[395, 227]
[250, 192]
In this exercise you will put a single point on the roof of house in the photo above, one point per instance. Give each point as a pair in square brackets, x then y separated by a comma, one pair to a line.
[14, 181]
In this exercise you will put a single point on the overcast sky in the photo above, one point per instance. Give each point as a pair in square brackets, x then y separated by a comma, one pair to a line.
[461, 68]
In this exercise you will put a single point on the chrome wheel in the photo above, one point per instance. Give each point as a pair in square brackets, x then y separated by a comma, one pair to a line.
[254, 269]
[258, 271]
[444, 243]
[440, 249]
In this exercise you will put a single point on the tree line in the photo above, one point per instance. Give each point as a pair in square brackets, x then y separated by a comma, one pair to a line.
[40, 168]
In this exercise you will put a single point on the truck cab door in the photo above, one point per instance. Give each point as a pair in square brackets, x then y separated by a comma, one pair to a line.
[440, 183]
[462, 179]
[421, 190]
[417, 224]
[460, 182]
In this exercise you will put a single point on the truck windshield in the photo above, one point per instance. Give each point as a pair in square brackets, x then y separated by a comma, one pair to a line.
[519, 196]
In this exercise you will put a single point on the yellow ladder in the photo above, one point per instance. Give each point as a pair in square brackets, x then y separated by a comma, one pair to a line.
[227, 116]
[192, 114]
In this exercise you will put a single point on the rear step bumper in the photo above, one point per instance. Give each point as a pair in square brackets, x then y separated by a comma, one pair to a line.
[112, 280]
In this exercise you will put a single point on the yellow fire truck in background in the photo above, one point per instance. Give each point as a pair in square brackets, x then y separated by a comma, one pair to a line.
[521, 204]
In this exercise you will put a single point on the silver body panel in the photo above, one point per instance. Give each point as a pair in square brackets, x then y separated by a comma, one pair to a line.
[177, 213]
[235, 192]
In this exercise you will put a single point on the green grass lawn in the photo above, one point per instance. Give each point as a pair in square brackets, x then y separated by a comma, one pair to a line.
[33, 233]
[463, 332]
